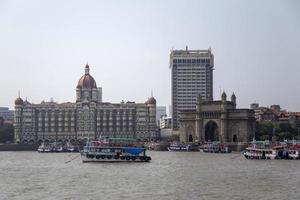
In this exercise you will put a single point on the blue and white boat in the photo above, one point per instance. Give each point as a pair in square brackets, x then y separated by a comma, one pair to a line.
[114, 150]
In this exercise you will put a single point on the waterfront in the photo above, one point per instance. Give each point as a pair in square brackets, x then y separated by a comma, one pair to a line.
[170, 175]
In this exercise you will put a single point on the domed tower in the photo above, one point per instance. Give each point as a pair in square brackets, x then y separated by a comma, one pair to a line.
[86, 90]
[18, 122]
[151, 104]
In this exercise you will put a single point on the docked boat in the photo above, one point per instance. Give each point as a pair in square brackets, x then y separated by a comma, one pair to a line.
[57, 147]
[114, 150]
[265, 150]
[214, 147]
[294, 152]
[182, 147]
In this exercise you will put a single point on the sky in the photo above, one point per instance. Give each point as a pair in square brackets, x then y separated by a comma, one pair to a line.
[44, 46]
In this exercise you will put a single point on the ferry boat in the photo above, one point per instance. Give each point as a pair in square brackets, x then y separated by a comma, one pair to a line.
[214, 147]
[265, 150]
[114, 150]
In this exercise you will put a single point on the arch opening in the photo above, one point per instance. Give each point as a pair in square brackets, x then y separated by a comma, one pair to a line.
[234, 138]
[190, 138]
[211, 131]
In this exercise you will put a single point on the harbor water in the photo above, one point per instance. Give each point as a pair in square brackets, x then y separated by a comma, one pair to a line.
[170, 175]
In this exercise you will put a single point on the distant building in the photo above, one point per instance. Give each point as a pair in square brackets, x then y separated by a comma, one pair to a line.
[276, 115]
[217, 121]
[192, 75]
[165, 122]
[88, 117]
[6, 114]
[160, 111]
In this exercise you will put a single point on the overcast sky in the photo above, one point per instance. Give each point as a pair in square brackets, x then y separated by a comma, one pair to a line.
[44, 46]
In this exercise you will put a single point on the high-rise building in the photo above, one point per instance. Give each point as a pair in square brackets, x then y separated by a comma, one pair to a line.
[192, 74]
[160, 111]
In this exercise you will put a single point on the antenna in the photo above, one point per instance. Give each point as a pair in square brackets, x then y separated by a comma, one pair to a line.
[19, 93]
[151, 92]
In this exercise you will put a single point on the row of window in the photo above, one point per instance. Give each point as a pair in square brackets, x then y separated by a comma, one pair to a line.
[198, 61]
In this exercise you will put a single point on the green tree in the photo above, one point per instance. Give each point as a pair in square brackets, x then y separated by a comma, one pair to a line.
[7, 133]
[264, 130]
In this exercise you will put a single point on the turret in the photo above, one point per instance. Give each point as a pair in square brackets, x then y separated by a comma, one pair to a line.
[224, 97]
[233, 99]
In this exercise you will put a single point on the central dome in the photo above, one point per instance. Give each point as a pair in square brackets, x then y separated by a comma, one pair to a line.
[87, 81]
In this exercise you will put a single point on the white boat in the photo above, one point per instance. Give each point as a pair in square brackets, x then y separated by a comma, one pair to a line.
[265, 150]
[214, 147]
[180, 147]
[56, 148]
[294, 151]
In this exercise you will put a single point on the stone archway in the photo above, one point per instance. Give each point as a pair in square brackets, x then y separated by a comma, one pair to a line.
[211, 131]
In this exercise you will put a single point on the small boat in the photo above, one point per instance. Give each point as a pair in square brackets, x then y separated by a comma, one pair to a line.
[56, 147]
[294, 152]
[181, 147]
[214, 147]
[113, 150]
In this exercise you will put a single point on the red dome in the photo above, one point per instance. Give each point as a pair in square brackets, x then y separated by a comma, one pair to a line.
[19, 101]
[87, 81]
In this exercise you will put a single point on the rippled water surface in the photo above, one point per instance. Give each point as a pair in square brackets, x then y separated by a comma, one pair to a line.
[170, 175]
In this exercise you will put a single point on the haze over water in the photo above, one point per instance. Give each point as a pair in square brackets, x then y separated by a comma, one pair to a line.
[170, 175]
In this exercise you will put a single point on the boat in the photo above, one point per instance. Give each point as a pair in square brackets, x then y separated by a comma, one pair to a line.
[214, 147]
[57, 147]
[114, 150]
[265, 150]
[294, 151]
[182, 147]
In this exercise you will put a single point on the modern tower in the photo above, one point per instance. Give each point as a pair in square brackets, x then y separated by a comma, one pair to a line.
[192, 75]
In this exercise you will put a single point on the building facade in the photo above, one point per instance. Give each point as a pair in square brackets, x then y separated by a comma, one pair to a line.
[192, 74]
[165, 122]
[88, 117]
[217, 121]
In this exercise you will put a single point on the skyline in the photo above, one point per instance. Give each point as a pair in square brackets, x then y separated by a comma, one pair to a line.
[128, 45]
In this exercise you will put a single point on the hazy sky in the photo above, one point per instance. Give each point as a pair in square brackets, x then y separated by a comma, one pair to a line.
[44, 46]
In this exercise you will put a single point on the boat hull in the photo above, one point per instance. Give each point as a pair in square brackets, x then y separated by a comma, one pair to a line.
[125, 159]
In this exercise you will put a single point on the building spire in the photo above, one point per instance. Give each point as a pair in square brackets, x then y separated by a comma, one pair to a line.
[87, 68]
[19, 93]
[151, 92]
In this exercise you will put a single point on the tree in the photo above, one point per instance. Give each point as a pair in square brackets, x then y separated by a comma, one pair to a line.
[264, 130]
[7, 133]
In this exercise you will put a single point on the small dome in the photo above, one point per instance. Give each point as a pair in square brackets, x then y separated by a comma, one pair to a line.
[151, 100]
[86, 81]
[19, 101]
